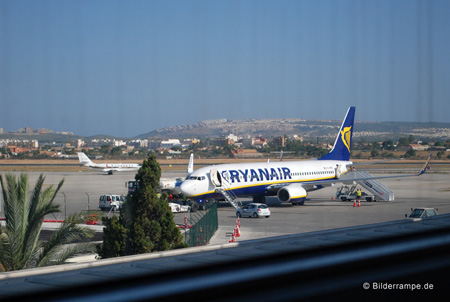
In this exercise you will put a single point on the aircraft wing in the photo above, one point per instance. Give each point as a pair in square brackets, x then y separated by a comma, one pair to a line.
[348, 179]
[276, 187]
[373, 162]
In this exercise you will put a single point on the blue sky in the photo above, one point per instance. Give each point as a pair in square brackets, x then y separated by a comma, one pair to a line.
[125, 68]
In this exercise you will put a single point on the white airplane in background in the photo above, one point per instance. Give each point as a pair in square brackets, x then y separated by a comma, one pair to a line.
[107, 168]
[290, 181]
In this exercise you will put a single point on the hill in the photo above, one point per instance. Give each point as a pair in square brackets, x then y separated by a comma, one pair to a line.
[305, 128]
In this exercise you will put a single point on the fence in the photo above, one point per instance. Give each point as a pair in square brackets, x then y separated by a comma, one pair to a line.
[204, 222]
[77, 202]
[204, 226]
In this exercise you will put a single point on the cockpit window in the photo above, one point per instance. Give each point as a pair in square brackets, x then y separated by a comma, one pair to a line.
[197, 177]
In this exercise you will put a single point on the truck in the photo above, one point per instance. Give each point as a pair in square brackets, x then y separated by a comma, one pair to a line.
[345, 193]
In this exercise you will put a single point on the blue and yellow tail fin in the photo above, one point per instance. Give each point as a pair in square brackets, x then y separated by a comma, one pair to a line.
[342, 145]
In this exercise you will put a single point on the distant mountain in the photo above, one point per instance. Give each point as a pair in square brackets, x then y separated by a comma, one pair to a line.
[305, 128]
[266, 128]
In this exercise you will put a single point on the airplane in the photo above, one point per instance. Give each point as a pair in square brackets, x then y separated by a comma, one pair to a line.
[169, 185]
[289, 181]
[107, 168]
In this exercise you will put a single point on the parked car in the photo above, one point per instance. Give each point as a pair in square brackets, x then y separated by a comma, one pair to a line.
[110, 201]
[422, 212]
[255, 210]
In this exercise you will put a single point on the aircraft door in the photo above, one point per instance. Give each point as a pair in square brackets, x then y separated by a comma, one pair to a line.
[216, 179]
[338, 171]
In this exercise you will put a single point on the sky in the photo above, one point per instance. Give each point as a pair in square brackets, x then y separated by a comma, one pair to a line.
[124, 68]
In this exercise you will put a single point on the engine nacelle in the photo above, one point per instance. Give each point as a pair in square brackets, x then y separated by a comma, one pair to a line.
[292, 193]
[170, 184]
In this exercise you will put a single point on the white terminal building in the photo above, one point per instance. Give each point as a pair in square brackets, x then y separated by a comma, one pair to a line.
[170, 143]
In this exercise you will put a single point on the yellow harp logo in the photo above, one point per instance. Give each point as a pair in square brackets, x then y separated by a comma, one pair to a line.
[346, 135]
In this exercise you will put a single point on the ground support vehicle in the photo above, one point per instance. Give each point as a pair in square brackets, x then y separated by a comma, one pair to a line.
[345, 193]
[110, 202]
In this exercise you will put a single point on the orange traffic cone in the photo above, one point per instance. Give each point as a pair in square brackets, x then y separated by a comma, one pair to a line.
[233, 239]
[359, 203]
[238, 222]
[354, 204]
[237, 231]
[332, 197]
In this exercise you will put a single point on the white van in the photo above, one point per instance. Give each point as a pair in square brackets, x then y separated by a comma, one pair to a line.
[108, 202]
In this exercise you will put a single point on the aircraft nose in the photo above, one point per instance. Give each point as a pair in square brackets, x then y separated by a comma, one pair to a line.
[186, 188]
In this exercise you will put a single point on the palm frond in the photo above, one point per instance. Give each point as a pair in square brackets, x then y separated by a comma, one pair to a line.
[38, 207]
[20, 246]
[68, 232]
[23, 201]
[66, 252]
[11, 208]
[35, 198]
[6, 256]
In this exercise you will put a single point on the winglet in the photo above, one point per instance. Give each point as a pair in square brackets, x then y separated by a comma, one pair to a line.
[425, 167]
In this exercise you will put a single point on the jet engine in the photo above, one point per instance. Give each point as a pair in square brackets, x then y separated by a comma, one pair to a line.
[294, 193]
[170, 184]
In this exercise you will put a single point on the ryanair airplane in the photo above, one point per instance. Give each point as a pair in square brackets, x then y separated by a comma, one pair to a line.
[289, 181]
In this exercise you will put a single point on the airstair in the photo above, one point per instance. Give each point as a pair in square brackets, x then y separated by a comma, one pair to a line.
[379, 190]
[221, 185]
[229, 195]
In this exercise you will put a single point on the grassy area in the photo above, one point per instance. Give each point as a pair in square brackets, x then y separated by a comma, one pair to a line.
[72, 165]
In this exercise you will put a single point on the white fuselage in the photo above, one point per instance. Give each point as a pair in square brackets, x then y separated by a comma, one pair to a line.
[254, 179]
[115, 166]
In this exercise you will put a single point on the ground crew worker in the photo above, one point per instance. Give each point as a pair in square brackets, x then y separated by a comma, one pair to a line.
[358, 197]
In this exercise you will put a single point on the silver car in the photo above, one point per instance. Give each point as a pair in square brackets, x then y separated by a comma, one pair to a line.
[423, 212]
[255, 210]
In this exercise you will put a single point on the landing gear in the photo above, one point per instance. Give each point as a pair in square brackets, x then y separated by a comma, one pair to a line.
[194, 207]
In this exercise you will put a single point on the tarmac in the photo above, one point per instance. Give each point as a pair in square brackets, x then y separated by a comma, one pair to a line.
[322, 220]
[321, 211]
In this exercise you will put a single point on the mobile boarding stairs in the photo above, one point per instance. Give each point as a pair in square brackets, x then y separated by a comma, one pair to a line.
[222, 186]
[379, 190]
